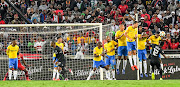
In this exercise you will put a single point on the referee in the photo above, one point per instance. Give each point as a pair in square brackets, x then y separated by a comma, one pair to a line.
[156, 50]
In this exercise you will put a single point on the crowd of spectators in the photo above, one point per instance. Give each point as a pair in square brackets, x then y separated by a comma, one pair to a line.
[153, 16]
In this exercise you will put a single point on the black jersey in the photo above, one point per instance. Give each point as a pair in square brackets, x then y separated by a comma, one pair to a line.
[59, 54]
[156, 51]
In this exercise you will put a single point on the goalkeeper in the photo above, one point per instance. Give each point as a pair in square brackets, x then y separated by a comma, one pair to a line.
[61, 61]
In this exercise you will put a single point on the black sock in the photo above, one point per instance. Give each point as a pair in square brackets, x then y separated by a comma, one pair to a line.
[160, 73]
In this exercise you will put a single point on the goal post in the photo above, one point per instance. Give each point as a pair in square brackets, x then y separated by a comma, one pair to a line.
[41, 59]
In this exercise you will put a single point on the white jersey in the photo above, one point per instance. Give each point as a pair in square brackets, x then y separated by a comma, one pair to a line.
[129, 23]
[39, 45]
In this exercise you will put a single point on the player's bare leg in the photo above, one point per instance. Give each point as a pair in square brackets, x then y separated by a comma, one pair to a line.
[27, 76]
[124, 64]
[54, 72]
[130, 60]
[135, 59]
[118, 64]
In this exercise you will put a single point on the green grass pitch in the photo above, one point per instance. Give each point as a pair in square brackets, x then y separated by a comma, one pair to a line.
[93, 83]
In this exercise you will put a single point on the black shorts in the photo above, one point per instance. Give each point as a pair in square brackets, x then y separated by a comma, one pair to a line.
[156, 63]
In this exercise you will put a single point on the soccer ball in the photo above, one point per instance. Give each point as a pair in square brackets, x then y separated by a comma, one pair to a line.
[162, 33]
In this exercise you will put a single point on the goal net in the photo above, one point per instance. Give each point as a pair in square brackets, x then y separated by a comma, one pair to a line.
[34, 43]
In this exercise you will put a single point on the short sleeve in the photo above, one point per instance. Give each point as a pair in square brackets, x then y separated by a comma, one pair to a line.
[161, 51]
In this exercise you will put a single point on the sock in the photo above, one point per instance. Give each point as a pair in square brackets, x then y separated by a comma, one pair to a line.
[54, 73]
[27, 76]
[6, 76]
[162, 66]
[124, 64]
[134, 58]
[145, 66]
[10, 74]
[91, 73]
[58, 72]
[130, 60]
[118, 63]
[140, 66]
[15, 74]
[161, 73]
[113, 73]
[150, 69]
[107, 74]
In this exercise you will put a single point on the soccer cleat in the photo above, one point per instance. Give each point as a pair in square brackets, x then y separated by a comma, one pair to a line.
[28, 79]
[66, 79]
[88, 78]
[71, 72]
[146, 74]
[152, 76]
[132, 67]
[135, 67]
[4, 79]
[57, 79]
[53, 79]
[117, 71]
[109, 79]
[114, 79]
[161, 79]
[123, 71]
[141, 75]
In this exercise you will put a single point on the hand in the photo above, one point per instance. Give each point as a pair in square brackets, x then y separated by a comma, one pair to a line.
[56, 63]
[102, 54]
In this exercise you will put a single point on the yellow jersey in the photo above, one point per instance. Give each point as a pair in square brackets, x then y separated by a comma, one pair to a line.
[154, 40]
[122, 40]
[79, 39]
[97, 51]
[131, 32]
[141, 42]
[61, 45]
[89, 39]
[109, 46]
[12, 51]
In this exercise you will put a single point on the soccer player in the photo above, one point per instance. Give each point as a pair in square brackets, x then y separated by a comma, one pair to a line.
[131, 35]
[59, 60]
[110, 57]
[20, 67]
[155, 39]
[12, 52]
[97, 61]
[142, 53]
[156, 50]
[59, 43]
[122, 49]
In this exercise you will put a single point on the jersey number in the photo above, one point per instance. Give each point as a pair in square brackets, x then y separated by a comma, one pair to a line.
[155, 52]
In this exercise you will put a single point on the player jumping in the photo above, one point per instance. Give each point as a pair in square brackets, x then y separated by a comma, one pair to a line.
[156, 50]
[110, 57]
[131, 35]
[59, 60]
[12, 52]
[97, 61]
[142, 53]
[20, 67]
[122, 49]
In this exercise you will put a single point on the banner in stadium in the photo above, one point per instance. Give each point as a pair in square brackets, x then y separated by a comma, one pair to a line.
[41, 69]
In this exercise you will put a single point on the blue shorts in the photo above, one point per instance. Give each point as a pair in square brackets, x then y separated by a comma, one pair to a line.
[55, 62]
[122, 50]
[13, 63]
[110, 60]
[151, 52]
[101, 63]
[131, 46]
[142, 54]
